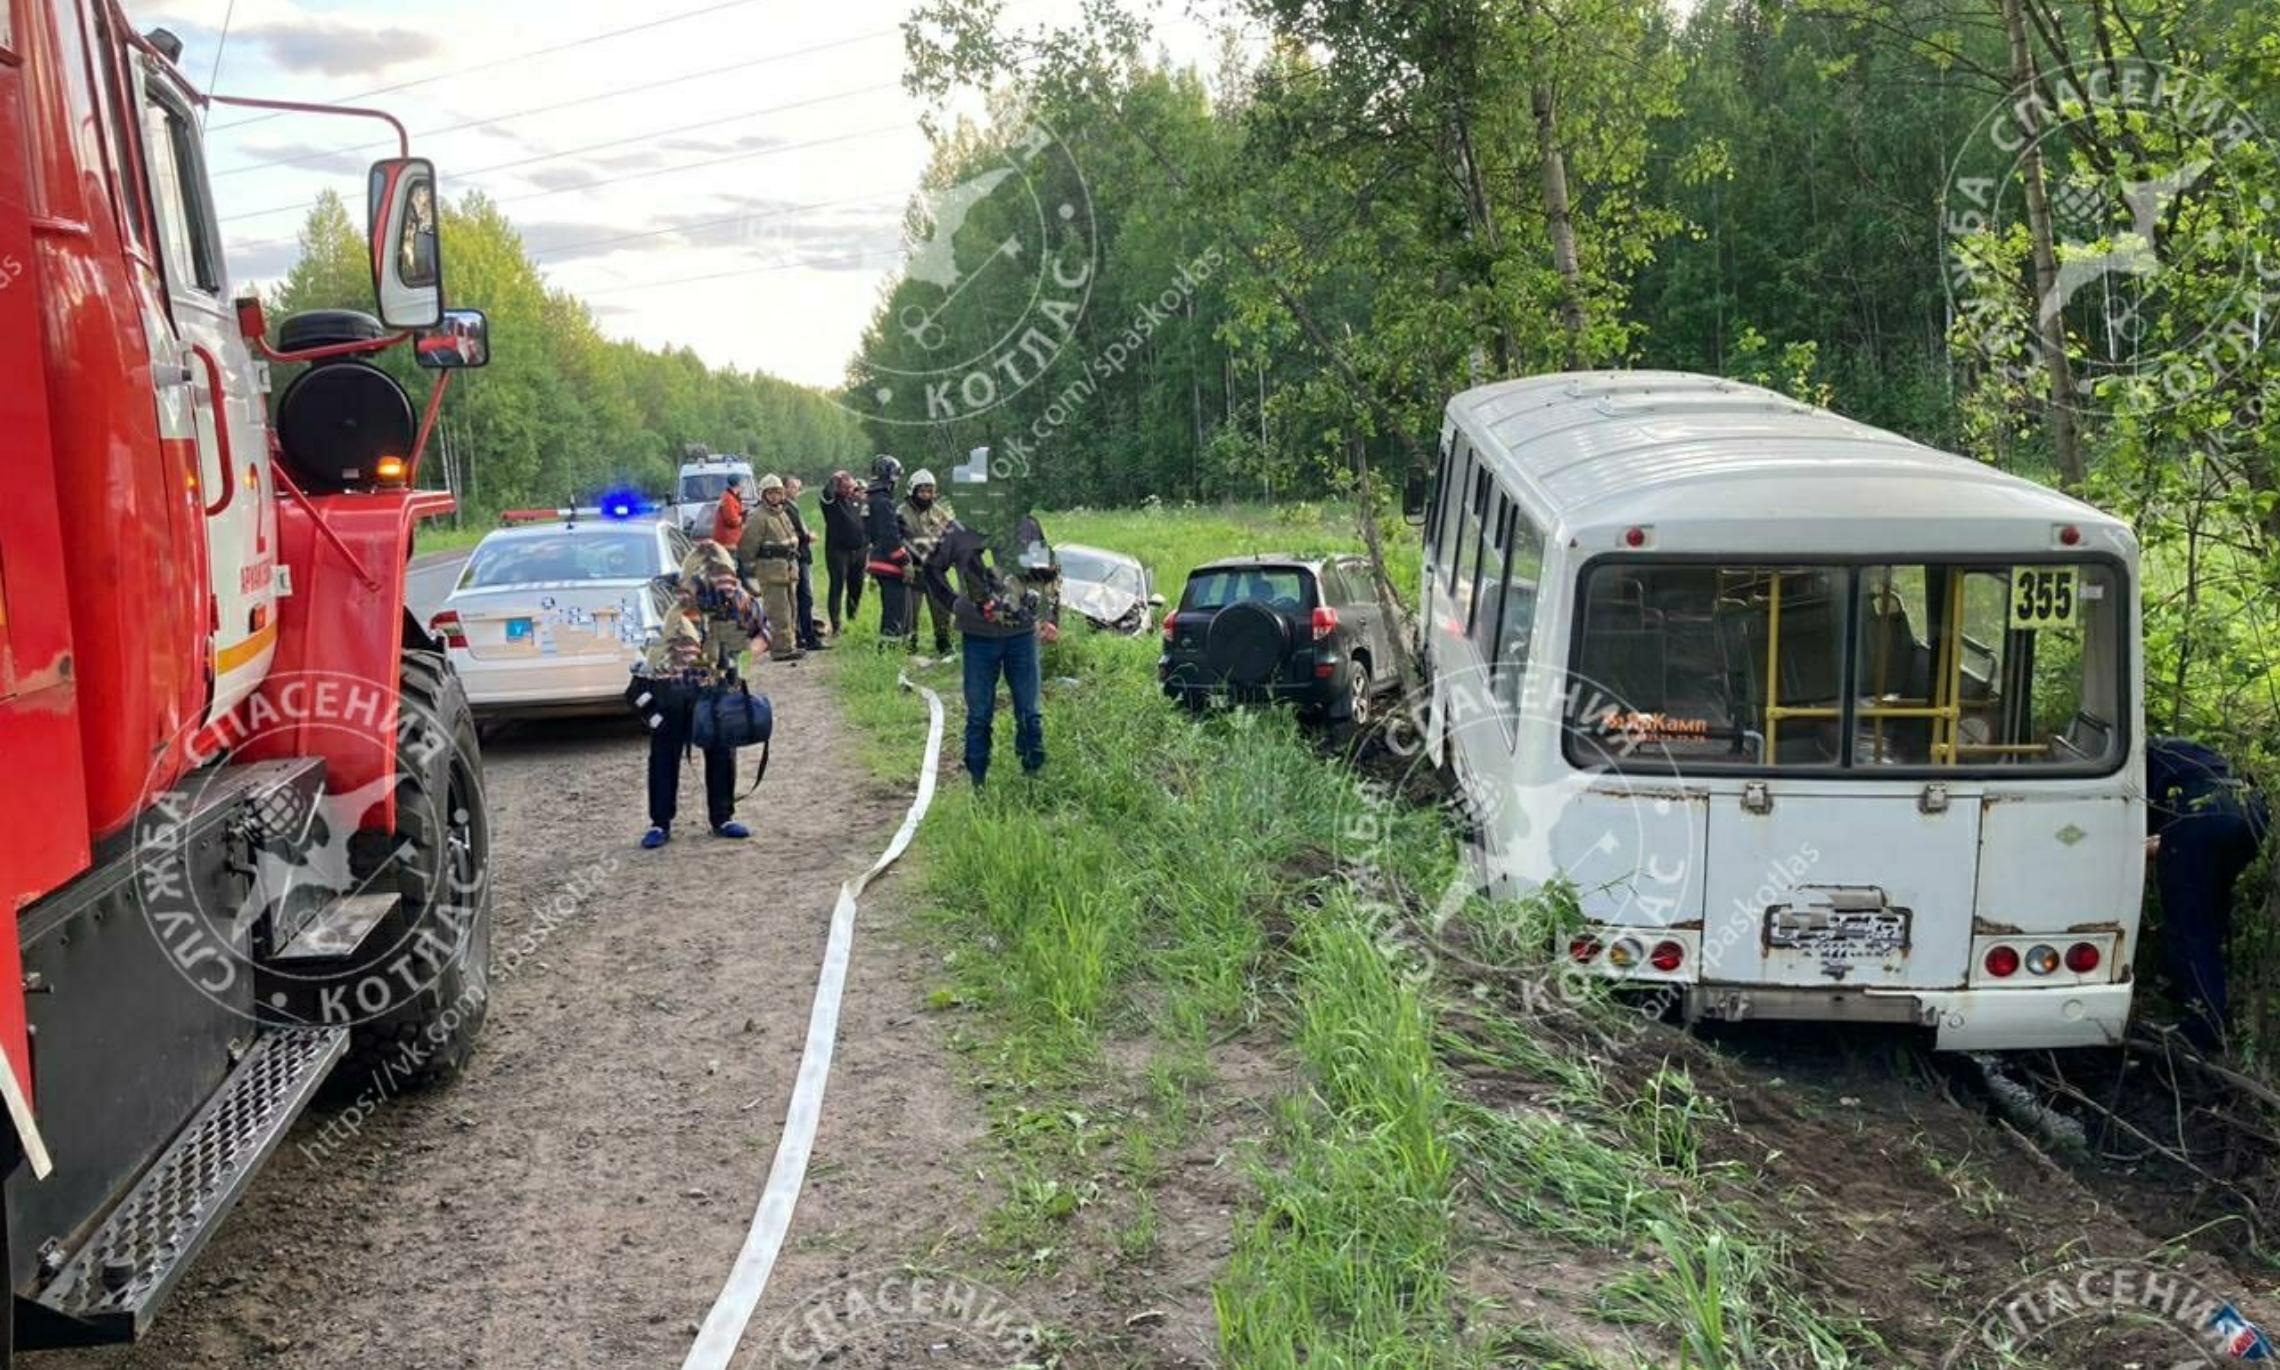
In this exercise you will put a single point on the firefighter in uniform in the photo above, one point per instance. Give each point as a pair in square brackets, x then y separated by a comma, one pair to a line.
[925, 518]
[769, 558]
[890, 559]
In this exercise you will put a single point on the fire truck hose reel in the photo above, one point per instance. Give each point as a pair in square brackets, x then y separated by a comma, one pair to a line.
[724, 1326]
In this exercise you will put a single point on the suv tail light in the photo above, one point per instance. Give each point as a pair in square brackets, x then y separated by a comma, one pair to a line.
[1325, 622]
[1171, 628]
[447, 626]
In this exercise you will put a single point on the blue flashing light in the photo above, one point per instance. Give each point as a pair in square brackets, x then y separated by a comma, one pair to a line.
[623, 504]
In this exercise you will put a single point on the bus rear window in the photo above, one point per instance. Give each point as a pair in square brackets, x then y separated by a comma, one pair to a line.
[1870, 667]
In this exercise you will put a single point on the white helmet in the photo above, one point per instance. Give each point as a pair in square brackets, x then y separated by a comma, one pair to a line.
[922, 476]
[771, 481]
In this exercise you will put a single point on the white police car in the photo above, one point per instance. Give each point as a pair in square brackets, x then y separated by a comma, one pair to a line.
[553, 609]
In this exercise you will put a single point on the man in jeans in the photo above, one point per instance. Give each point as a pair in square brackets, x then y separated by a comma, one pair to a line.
[1000, 617]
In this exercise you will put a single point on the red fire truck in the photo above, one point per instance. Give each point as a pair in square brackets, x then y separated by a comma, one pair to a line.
[242, 831]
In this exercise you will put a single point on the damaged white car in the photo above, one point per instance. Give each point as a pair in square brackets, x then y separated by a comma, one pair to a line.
[1113, 591]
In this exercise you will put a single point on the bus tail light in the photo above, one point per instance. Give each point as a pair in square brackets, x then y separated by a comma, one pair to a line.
[1625, 953]
[2083, 957]
[2002, 962]
[447, 626]
[2042, 959]
[1667, 957]
[1584, 949]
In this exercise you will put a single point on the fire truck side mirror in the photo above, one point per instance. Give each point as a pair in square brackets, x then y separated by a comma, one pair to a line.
[405, 219]
[461, 342]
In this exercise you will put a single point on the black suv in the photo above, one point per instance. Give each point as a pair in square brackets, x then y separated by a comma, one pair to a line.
[1305, 631]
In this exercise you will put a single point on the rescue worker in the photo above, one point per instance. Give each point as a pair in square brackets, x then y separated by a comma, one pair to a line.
[2204, 826]
[1001, 618]
[842, 549]
[890, 559]
[925, 518]
[810, 639]
[769, 558]
[728, 517]
[713, 619]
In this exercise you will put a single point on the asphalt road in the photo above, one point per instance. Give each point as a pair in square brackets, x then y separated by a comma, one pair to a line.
[430, 580]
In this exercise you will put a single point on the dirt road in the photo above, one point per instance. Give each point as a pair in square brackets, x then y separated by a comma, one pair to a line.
[576, 1199]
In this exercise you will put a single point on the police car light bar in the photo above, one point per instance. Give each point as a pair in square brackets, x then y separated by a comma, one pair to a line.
[514, 516]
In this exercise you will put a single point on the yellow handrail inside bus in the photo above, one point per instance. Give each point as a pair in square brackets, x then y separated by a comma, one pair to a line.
[1773, 712]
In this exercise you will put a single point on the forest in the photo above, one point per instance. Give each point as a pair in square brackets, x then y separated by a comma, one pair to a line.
[2045, 236]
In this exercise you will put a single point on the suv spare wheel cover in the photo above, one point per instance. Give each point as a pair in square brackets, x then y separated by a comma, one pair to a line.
[1246, 643]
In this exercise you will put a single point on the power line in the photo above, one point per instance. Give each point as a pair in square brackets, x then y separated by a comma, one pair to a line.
[765, 59]
[516, 57]
[830, 259]
[598, 183]
[213, 78]
[540, 255]
[299, 205]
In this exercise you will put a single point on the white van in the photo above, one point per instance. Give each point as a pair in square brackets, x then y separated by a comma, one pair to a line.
[1819, 722]
[696, 495]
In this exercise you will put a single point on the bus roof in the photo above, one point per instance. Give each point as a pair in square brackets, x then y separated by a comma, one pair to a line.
[1647, 447]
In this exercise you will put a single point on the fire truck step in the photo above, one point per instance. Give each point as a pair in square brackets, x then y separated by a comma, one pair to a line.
[340, 929]
[114, 1283]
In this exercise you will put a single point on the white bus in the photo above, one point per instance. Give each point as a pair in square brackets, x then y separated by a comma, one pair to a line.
[1819, 722]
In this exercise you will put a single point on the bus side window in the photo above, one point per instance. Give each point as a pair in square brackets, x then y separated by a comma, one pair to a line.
[1433, 505]
[1453, 510]
[1470, 560]
[1523, 565]
[1488, 601]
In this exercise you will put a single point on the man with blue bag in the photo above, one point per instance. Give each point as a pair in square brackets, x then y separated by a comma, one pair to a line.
[690, 695]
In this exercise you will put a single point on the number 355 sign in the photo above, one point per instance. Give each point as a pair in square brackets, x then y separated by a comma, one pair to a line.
[2043, 597]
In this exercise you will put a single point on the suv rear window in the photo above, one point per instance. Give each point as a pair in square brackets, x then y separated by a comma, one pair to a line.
[1285, 587]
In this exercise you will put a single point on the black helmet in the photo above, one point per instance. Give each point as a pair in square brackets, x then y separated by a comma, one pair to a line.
[886, 468]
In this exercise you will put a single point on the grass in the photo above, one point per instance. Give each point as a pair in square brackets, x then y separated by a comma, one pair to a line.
[1175, 884]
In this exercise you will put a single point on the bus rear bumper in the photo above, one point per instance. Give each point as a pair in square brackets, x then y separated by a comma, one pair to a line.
[1962, 1019]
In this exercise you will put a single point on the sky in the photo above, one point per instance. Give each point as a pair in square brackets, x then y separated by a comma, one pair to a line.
[728, 175]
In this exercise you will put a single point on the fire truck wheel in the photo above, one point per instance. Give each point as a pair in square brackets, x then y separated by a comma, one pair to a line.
[444, 837]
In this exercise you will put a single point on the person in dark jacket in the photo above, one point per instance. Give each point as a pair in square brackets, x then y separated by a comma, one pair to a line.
[843, 549]
[1001, 617]
[804, 594]
[2204, 826]
[889, 555]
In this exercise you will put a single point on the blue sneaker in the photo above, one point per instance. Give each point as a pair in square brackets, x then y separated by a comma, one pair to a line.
[655, 838]
[733, 830]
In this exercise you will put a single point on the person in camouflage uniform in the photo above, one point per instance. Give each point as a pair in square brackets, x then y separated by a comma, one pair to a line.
[711, 622]
[925, 518]
[769, 558]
